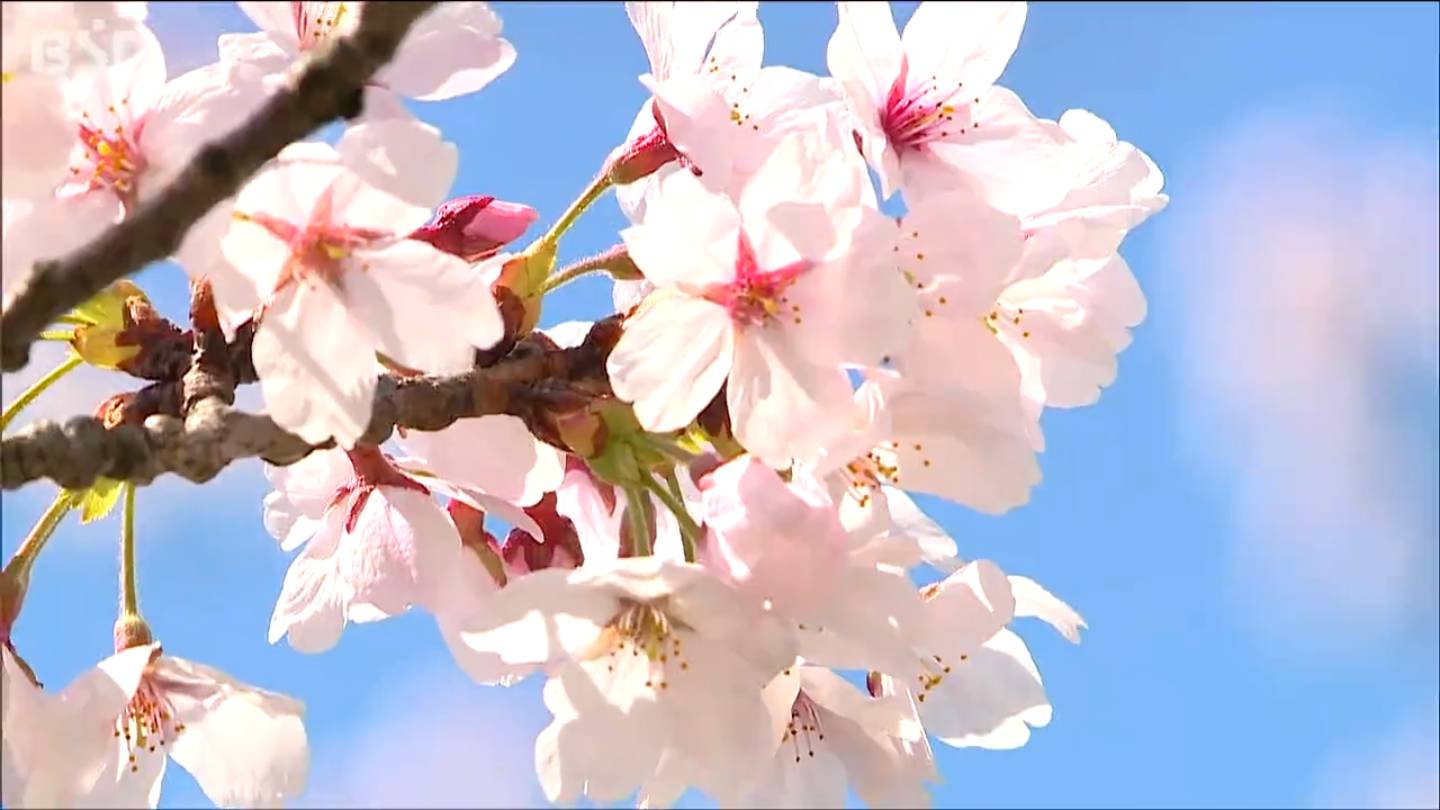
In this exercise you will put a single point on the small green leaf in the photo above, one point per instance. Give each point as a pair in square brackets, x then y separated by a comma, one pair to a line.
[97, 501]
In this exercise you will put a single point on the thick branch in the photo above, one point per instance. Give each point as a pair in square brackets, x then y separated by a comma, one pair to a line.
[330, 87]
[213, 434]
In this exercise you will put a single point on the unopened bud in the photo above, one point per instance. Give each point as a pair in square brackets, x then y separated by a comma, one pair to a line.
[476, 226]
[132, 631]
[642, 157]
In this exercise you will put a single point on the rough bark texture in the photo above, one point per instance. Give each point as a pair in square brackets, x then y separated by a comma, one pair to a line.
[530, 380]
[330, 87]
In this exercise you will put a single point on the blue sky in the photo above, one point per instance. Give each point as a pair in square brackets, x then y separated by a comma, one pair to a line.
[1247, 519]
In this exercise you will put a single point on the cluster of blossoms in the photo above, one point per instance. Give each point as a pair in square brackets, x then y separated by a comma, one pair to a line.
[712, 556]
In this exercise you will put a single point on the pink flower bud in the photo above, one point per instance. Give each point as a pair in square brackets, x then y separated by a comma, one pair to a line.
[476, 226]
[642, 157]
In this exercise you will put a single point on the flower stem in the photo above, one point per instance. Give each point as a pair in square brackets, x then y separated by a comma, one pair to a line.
[29, 394]
[615, 261]
[34, 542]
[129, 597]
[689, 532]
[592, 192]
[638, 522]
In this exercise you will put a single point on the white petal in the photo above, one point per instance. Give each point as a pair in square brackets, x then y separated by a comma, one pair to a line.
[963, 42]
[494, 454]
[540, 617]
[37, 135]
[1033, 600]
[245, 746]
[275, 19]
[316, 365]
[672, 358]
[990, 700]
[689, 238]
[864, 52]
[782, 406]
[402, 551]
[429, 310]
[311, 605]
[453, 50]
[404, 158]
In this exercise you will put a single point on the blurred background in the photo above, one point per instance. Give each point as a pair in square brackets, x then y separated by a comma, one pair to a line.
[1248, 518]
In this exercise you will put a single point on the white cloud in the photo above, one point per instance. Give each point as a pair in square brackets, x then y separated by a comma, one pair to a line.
[437, 740]
[1400, 767]
[1306, 259]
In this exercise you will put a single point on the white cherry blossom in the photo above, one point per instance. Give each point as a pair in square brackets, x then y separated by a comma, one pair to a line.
[833, 735]
[453, 50]
[376, 542]
[649, 659]
[56, 745]
[325, 252]
[761, 293]
[125, 132]
[925, 106]
[245, 746]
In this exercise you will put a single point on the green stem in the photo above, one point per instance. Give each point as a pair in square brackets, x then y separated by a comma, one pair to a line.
[592, 192]
[30, 548]
[129, 597]
[38, 388]
[689, 532]
[639, 523]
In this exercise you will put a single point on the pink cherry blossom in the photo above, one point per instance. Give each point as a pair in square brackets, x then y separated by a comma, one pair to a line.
[324, 250]
[759, 295]
[925, 106]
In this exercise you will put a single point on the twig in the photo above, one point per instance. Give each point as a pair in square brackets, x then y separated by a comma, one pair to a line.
[330, 87]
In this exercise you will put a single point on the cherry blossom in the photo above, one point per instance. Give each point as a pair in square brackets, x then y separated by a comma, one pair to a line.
[761, 294]
[783, 545]
[925, 106]
[514, 466]
[37, 128]
[977, 684]
[650, 660]
[1068, 310]
[244, 746]
[55, 746]
[376, 542]
[475, 227]
[831, 735]
[453, 50]
[325, 251]
[126, 133]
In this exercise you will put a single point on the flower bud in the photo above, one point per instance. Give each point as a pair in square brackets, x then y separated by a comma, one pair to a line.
[642, 157]
[475, 227]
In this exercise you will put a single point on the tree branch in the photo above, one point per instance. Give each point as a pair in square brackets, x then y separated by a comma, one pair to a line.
[212, 434]
[330, 87]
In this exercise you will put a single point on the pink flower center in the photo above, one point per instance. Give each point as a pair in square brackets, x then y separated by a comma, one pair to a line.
[928, 111]
[804, 726]
[147, 721]
[757, 296]
[110, 155]
[320, 250]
